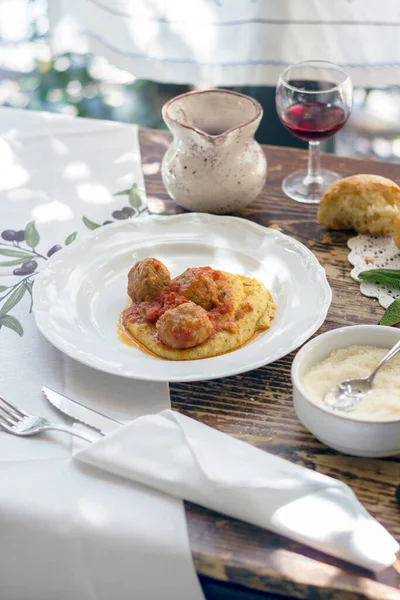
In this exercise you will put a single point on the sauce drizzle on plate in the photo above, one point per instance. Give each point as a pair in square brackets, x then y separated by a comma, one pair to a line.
[126, 338]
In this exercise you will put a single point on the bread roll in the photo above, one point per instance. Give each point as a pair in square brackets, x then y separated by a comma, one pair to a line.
[396, 231]
[367, 203]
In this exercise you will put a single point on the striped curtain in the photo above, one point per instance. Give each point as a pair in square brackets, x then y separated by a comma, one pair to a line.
[233, 42]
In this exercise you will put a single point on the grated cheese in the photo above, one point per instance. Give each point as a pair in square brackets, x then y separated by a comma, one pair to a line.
[356, 362]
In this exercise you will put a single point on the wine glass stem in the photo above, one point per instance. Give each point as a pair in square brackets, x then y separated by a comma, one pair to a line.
[313, 172]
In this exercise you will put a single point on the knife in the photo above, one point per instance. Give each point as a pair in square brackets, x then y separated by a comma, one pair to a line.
[82, 413]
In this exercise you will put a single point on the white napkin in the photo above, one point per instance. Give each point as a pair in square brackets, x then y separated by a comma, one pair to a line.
[184, 458]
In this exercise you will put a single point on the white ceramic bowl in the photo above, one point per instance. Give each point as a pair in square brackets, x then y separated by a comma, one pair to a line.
[347, 434]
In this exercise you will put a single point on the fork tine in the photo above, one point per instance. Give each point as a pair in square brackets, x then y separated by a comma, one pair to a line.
[19, 412]
[11, 413]
[8, 413]
[8, 421]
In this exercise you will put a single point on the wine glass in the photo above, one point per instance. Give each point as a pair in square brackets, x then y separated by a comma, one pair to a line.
[313, 100]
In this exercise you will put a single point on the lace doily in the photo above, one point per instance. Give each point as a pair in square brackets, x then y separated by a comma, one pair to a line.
[369, 252]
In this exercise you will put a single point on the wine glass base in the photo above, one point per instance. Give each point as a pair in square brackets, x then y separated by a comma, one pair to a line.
[298, 188]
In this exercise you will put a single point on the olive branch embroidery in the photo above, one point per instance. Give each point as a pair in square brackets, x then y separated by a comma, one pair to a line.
[138, 206]
[19, 248]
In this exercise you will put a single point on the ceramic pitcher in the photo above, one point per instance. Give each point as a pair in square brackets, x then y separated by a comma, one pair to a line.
[213, 163]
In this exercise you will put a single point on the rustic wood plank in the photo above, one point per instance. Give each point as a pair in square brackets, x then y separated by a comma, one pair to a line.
[257, 407]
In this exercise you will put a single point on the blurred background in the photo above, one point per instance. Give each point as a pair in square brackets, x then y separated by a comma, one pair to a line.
[81, 84]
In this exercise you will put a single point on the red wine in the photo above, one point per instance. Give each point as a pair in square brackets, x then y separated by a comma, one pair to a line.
[313, 121]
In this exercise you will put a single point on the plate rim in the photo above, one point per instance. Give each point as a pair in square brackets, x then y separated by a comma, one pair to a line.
[82, 357]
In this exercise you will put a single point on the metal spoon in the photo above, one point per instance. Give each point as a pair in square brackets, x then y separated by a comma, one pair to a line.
[348, 393]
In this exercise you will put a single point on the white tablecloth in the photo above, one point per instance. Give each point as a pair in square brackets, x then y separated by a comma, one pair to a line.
[232, 42]
[69, 532]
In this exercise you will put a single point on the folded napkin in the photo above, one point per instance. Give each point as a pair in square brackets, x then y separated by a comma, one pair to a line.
[182, 457]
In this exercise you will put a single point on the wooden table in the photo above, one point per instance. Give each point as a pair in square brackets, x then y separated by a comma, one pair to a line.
[257, 407]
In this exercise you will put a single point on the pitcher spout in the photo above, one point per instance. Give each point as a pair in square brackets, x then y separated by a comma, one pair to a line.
[214, 115]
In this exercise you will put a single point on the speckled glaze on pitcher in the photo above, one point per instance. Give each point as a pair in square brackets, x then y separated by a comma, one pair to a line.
[213, 163]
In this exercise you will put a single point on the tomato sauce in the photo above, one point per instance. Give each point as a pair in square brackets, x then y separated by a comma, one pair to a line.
[150, 311]
[245, 308]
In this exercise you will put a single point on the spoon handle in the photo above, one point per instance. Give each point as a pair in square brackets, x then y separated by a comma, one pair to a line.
[392, 352]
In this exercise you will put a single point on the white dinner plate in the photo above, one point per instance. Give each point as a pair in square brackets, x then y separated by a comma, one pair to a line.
[80, 292]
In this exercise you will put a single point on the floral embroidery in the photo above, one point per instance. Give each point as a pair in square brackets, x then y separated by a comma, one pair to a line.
[18, 251]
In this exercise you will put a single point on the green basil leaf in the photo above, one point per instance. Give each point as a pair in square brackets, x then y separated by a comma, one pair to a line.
[12, 323]
[16, 253]
[395, 273]
[32, 237]
[388, 272]
[391, 315]
[12, 300]
[380, 279]
[90, 224]
[71, 238]
[136, 197]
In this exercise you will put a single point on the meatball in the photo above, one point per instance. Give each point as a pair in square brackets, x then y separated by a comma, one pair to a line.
[146, 278]
[184, 326]
[198, 286]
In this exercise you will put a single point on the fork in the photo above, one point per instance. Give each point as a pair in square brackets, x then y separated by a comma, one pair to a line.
[18, 422]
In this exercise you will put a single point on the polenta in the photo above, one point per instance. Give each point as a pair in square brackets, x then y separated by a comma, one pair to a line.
[201, 313]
